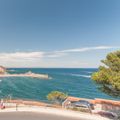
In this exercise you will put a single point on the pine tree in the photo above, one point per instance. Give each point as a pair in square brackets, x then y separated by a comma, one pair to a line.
[108, 75]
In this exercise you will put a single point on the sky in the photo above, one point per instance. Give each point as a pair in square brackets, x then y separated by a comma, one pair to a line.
[58, 33]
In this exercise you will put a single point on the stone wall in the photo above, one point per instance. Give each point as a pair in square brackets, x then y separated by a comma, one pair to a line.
[109, 105]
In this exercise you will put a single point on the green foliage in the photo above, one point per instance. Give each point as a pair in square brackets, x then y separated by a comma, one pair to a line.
[57, 97]
[108, 75]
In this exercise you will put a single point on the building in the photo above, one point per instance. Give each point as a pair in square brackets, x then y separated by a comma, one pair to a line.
[2, 70]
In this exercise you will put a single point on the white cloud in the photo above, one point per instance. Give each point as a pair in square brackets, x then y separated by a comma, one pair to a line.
[86, 49]
[54, 54]
[39, 54]
[61, 53]
[35, 58]
[21, 56]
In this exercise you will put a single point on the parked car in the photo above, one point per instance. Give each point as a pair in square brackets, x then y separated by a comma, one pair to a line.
[83, 103]
[108, 114]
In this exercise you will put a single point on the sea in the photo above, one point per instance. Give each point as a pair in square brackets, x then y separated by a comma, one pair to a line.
[73, 81]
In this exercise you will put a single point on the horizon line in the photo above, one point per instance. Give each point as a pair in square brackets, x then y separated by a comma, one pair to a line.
[57, 67]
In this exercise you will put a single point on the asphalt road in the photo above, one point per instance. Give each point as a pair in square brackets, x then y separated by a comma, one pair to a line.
[32, 116]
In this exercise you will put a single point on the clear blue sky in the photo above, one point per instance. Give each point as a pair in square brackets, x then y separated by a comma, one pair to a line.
[31, 31]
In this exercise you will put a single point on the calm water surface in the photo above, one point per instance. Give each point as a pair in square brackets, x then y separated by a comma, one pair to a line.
[75, 82]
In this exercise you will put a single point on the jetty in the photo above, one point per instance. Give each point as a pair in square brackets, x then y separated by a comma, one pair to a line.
[4, 73]
[32, 75]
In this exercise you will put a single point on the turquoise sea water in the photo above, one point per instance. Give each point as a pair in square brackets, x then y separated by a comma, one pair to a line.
[75, 82]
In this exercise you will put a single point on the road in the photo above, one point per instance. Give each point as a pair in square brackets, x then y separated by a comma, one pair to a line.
[32, 116]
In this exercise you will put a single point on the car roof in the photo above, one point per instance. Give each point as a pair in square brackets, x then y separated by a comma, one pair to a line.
[81, 103]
